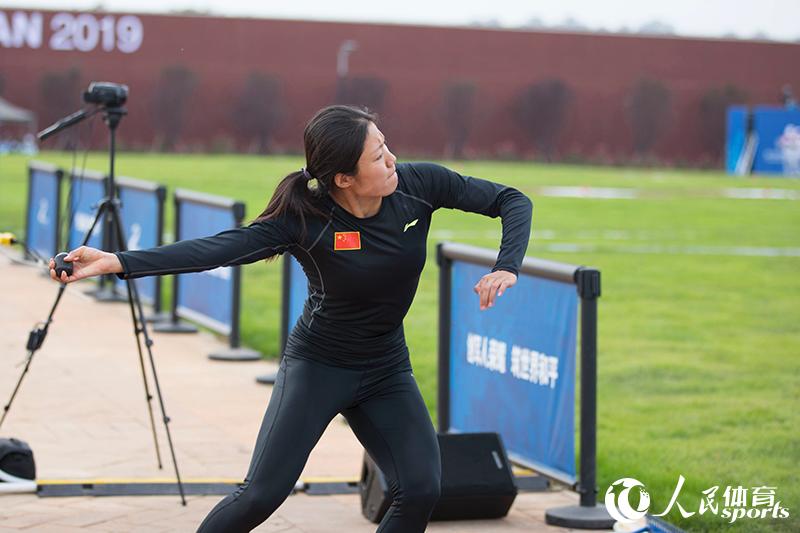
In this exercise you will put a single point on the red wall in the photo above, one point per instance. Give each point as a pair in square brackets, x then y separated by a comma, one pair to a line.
[416, 62]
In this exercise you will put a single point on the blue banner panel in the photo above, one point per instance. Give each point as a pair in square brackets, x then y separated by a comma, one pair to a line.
[44, 186]
[512, 368]
[206, 297]
[778, 131]
[86, 193]
[298, 293]
[735, 136]
[140, 217]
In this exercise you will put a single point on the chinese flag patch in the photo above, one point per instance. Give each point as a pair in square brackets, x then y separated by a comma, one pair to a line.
[347, 240]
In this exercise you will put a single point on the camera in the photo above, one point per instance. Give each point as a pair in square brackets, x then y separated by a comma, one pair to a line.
[106, 94]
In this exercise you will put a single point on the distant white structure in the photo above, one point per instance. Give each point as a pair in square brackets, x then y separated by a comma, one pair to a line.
[16, 129]
[789, 145]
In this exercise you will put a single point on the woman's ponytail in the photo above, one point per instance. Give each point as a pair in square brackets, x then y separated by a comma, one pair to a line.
[293, 196]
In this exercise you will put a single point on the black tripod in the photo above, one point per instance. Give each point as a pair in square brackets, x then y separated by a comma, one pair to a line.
[110, 207]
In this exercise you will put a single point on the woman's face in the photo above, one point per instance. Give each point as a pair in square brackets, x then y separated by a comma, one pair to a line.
[375, 173]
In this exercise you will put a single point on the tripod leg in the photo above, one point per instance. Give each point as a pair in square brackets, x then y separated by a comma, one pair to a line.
[134, 298]
[140, 326]
[35, 341]
[7, 406]
[137, 330]
[112, 224]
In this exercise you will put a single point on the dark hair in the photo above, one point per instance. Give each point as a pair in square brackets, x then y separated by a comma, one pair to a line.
[333, 140]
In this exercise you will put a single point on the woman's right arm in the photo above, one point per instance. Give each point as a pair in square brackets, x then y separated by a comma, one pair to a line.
[237, 246]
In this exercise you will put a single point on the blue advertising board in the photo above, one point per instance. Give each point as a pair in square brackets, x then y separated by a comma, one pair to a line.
[777, 132]
[512, 368]
[43, 209]
[209, 298]
[142, 214]
[86, 192]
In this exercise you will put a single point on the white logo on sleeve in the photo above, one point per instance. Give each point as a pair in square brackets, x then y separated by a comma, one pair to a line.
[412, 223]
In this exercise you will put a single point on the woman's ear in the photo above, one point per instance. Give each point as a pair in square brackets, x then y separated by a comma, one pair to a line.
[343, 181]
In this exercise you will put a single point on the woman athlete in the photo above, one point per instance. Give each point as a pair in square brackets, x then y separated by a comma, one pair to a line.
[357, 222]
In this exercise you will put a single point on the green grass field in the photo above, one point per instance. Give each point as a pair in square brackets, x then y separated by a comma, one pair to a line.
[699, 333]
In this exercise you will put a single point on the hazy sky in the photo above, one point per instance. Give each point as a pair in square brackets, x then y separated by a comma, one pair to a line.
[778, 19]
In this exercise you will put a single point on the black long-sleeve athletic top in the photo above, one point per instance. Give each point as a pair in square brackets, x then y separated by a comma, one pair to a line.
[362, 272]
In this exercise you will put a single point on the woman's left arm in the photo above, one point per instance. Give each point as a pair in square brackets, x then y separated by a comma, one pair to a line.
[516, 212]
[446, 188]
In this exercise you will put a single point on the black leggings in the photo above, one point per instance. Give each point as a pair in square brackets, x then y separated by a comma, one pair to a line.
[386, 412]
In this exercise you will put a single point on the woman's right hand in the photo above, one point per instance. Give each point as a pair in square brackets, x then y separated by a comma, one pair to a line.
[87, 262]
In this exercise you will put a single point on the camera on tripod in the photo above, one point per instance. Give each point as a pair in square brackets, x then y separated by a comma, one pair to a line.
[106, 94]
[108, 97]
